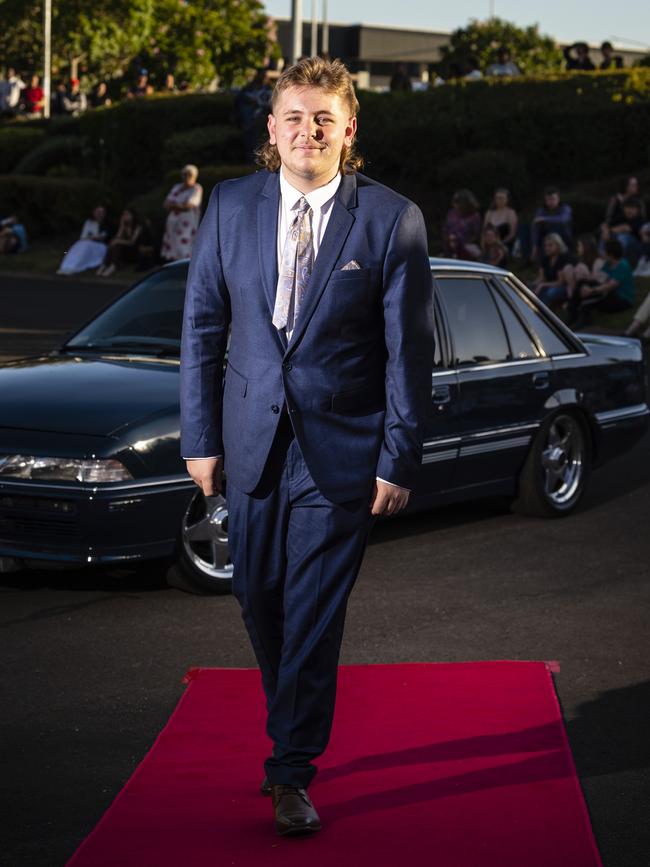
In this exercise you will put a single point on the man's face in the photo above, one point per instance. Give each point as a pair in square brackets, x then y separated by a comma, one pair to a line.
[310, 127]
[552, 200]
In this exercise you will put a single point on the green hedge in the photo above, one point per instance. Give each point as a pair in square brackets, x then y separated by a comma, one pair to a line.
[203, 144]
[48, 205]
[566, 127]
[56, 151]
[128, 138]
[17, 140]
[483, 171]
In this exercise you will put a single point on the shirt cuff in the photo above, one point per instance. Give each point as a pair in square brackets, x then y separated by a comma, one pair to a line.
[392, 484]
[206, 458]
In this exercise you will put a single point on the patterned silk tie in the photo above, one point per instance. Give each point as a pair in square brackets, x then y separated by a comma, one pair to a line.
[295, 268]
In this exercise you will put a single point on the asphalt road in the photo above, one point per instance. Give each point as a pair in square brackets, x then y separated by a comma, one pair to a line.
[92, 660]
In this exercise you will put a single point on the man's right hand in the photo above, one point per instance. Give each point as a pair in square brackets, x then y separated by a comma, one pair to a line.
[206, 473]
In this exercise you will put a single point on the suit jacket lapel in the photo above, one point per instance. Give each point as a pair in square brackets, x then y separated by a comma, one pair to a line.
[268, 208]
[338, 228]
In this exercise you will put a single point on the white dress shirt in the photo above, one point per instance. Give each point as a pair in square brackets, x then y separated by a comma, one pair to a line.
[320, 201]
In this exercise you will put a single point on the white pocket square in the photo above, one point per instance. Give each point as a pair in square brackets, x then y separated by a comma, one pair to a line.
[352, 265]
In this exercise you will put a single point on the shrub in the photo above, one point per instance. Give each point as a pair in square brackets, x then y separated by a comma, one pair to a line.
[16, 140]
[55, 151]
[128, 138]
[48, 205]
[588, 212]
[484, 170]
[204, 144]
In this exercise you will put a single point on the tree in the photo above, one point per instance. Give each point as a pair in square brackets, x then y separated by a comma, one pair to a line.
[199, 40]
[531, 51]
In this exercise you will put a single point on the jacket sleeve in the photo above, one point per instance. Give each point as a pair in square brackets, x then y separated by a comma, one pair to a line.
[408, 328]
[206, 320]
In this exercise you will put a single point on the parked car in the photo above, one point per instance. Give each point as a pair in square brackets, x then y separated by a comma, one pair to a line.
[90, 469]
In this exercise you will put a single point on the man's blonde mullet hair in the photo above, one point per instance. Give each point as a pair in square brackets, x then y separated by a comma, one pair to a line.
[331, 76]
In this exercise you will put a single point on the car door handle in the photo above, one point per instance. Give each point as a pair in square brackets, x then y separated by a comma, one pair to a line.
[441, 394]
[542, 379]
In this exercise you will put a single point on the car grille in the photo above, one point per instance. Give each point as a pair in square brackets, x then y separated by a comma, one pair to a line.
[31, 518]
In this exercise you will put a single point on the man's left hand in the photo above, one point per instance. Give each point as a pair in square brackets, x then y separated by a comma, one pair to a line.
[388, 499]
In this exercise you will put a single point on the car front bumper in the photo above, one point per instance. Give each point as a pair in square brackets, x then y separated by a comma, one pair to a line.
[83, 525]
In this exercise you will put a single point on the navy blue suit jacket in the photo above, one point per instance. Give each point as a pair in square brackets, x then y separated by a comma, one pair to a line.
[356, 374]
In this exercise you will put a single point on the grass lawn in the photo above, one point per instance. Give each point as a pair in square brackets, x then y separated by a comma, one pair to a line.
[44, 257]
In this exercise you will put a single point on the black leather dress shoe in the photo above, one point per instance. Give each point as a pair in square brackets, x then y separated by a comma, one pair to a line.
[265, 788]
[294, 812]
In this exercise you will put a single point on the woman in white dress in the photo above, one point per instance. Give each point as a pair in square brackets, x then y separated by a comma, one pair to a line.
[90, 249]
[183, 204]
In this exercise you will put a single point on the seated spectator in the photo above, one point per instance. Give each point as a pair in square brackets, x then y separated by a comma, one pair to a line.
[99, 96]
[90, 250]
[462, 228]
[640, 325]
[123, 247]
[141, 86]
[75, 102]
[183, 206]
[473, 72]
[614, 294]
[581, 59]
[643, 265]
[493, 251]
[555, 273]
[503, 217]
[57, 100]
[170, 84]
[588, 268]
[627, 228]
[610, 60]
[629, 186]
[33, 97]
[504, 65]
[146, 247]
[10, 89]
[553, 216]
[13, 235]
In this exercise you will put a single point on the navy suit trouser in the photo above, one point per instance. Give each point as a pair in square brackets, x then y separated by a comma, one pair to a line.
[296, 556]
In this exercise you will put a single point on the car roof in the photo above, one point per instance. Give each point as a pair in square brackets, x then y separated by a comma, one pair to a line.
[439, 264]
[436, 263]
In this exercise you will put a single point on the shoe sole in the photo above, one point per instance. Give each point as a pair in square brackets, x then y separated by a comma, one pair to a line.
[299, 831]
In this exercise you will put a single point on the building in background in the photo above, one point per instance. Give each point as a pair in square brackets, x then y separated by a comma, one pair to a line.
[374, 51]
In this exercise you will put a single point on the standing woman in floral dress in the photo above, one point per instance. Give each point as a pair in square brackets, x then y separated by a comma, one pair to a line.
[183, 206]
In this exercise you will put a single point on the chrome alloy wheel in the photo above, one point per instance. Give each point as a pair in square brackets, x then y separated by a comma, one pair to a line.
[205, 536]
[563, 460]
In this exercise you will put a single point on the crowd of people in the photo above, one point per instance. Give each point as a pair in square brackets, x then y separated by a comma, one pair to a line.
[19, 98]
[576, 57]
[575, 275]
[105, 248]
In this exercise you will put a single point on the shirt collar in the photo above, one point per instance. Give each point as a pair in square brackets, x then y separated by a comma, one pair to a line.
[317, 198]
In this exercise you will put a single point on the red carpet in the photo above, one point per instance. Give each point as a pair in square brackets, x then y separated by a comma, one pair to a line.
[449, 765]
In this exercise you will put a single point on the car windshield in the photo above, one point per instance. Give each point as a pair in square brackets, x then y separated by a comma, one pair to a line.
[147, 319]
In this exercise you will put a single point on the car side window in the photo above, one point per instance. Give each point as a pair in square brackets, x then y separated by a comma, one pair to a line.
[437, 351]
[521, 343]
[551, 341]
[476, 328]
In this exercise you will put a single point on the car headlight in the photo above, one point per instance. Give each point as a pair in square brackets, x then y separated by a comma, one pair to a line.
[63, 469]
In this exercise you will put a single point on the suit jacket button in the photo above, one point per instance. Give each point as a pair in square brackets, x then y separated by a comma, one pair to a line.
[275, 408]
[287, 365]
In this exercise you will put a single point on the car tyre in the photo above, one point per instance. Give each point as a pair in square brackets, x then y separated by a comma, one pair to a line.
[555, 474]
[202, 563]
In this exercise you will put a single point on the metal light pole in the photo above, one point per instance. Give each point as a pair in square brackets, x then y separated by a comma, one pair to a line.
[314, 28]
[47, 56]
[296, 30]
[325, 38]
